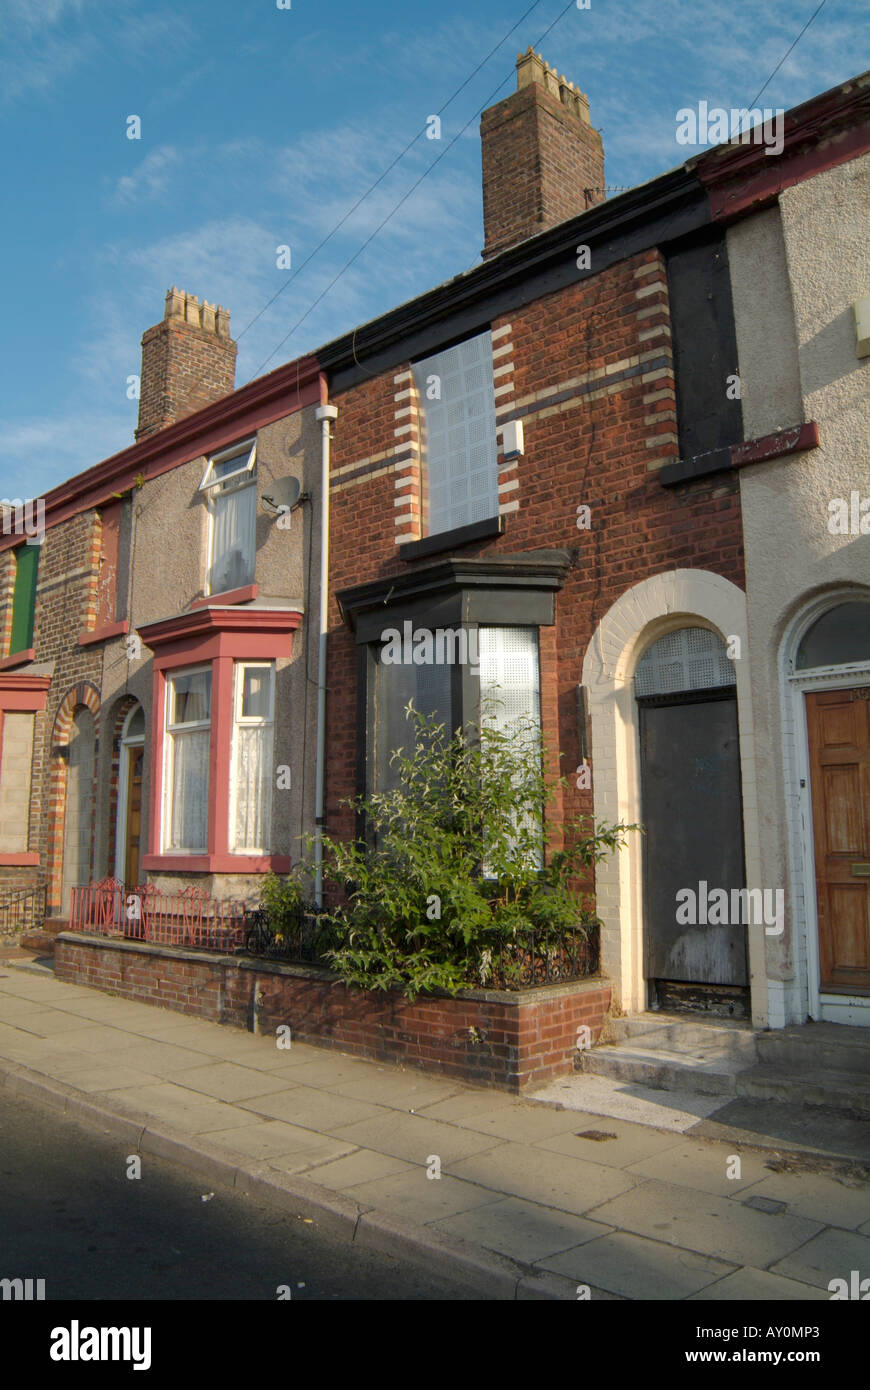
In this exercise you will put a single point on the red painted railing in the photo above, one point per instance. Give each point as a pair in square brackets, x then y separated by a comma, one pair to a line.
[144, 913]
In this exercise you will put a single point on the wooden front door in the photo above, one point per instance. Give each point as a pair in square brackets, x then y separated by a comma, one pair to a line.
[133, 821]
[839, 737]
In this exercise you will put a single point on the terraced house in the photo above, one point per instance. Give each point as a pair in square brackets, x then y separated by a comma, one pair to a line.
[143, 716]
[605, 457]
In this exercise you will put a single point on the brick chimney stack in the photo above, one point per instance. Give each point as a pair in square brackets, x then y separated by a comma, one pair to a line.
[188, 361]
[540, 155]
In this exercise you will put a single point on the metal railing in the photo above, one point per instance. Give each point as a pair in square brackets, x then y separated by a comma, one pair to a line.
[22, 910]
[143, 913]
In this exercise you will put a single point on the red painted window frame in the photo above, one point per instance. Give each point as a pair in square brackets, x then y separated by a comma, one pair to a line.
[218, 637]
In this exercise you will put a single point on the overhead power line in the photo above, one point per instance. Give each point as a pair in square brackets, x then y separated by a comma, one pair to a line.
[404, 198]
[390, 167]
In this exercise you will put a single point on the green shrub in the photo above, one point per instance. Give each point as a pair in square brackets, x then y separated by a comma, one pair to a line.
[455, 873]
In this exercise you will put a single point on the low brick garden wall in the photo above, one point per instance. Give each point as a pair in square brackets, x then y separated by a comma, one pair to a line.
[509, 1040]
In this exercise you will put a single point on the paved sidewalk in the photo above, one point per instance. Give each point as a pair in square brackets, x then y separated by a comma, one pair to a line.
[532, 1200]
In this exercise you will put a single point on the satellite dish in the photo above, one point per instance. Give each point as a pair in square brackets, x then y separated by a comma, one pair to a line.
[284, 494]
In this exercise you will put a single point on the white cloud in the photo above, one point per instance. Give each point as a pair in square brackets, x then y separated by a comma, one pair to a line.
[151, 179]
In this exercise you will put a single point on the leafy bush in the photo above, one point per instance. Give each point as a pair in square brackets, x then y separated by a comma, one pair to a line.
[283, 901]
[456, 873]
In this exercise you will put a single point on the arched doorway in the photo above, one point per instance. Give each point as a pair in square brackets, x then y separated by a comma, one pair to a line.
[828, 675]
[128, 831]
[694, 903]
[79, 809]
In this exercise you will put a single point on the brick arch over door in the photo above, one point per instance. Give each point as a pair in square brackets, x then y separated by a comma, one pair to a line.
[84, 695]
[678, 598]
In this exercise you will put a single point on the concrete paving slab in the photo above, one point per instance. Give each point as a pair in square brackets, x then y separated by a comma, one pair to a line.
[418, 1198]
[835, 1201]
[570, 1184]
[787, 1128]
[272, 1139]
[360, 1166]
[523, 1124]
[226, 1081]
[522, 1230]
[46, 1023]
[331, 1071]
[632, 1142]
[232, 1045]
[303, 1105]
[414, 1138]
[832, 1254]
[747, 1285]
[12, 1006]
[399, 1090]
[185, 1109]
[99, 1038]
[710, 1225]
[637, 1268]
[468, 1101]
[629, 1100]
[100, 1078]
[704, 1167]
[163, 1058]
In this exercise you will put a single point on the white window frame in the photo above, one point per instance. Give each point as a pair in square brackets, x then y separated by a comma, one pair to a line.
[235, 481]
[246, 451]
[250, 721]
[169, 732]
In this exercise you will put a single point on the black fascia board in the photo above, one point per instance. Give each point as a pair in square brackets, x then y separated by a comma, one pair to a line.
[533, 570]
[666, 209]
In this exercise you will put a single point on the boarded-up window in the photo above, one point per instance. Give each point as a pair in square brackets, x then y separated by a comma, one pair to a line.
[457, 404]
[24, 601]
[15, 765]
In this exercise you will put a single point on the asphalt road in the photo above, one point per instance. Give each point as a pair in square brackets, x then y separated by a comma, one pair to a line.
[70, 1215]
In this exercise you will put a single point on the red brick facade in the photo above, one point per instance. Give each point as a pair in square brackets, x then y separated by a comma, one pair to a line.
[593, 381]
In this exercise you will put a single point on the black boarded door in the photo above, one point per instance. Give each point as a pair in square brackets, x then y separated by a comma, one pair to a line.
[692, 814]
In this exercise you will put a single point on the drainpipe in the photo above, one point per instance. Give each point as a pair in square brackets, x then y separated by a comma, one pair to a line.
[325, 414]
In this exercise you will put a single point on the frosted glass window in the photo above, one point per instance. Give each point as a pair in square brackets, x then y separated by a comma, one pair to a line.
[457, 406]
[510, 691]
[691, 658]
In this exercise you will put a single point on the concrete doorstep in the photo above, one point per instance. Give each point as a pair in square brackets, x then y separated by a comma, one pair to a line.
[520, 1199]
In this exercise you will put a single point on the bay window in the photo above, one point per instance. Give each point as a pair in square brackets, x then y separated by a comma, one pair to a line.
[252, 764]
[213, 739]
[186, 777]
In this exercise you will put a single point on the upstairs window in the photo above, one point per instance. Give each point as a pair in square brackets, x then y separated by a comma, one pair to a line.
[229, 483]
[24, 598]
[459, 446]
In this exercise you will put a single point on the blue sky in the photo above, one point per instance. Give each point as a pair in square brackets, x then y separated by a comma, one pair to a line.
[262, 126]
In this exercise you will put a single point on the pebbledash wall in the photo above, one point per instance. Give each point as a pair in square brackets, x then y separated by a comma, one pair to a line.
[510, 1041]
[800, 363]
